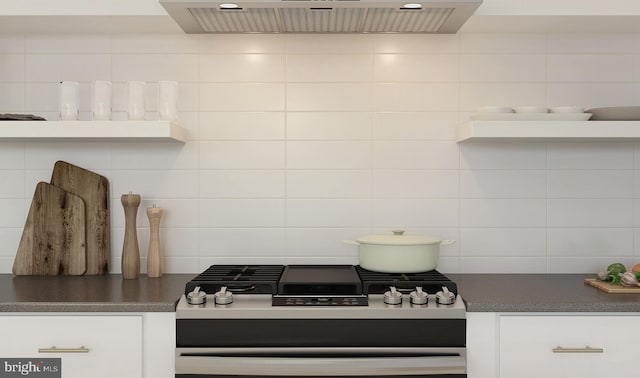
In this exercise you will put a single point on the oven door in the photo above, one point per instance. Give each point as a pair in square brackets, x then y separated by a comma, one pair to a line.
[321, 362]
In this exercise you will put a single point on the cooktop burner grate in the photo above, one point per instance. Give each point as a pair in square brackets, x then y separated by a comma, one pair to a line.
[431, 281]
[271, 279]
[251, 279]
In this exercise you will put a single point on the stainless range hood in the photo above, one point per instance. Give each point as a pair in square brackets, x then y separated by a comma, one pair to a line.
[320, 16]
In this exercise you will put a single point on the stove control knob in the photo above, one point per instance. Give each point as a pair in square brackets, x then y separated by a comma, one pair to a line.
[418, 297]
[393, 297]
[445, 297]
[223, 297]
[196, 297]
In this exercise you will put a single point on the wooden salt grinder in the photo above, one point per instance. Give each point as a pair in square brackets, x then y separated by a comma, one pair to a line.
[154, 257]
[130, 248]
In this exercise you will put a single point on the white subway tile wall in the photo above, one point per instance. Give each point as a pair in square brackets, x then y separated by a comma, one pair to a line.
[299, 142]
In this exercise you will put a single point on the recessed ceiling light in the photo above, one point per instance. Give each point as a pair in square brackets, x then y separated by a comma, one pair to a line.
[412, 6]
[229, 6]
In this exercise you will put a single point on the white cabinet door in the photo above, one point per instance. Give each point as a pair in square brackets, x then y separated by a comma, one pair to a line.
[114, 343]
[529, 346]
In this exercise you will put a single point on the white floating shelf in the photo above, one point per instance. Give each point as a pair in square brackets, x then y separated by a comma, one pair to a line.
[118, 131]
[549, 131]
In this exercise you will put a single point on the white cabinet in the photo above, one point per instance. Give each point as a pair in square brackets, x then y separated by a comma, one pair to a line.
[561, 346]
[95, 345]
[91, 346]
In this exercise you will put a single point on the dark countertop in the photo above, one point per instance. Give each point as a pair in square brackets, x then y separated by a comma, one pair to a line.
[539, 293]
[481, 293]
[108, 293]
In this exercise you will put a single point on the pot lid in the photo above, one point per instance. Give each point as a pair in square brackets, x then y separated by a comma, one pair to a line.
[398, 238]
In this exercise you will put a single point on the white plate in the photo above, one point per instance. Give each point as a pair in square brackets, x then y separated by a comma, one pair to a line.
[531, 117]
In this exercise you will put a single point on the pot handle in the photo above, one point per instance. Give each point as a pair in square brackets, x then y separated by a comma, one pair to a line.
[352, 242]
[447, 242]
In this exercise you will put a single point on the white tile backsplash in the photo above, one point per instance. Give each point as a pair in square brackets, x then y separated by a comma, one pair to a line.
[13, 213]
[415, 125]
[72, 67]
[155, 43]
[591, 68]
[591, 95]
[415, 184]
[503, 43]
[67, 43]
[328, 125]
[412, 97]
[11, 43]
[475, 95]
[241, 125]
[415, 155]
[584, 43]
[350, 213]
[326, 68]
[590, 242]
[507, 241]
[329, 154]
[241, 97]
[591, 156]
[591, 184]
[415, 44]
[415, 68]
[154, 67]
[503, 68]
[242, 44]
[503, 184]
[328, 184]
[242, 184]
[12, 97]
[11, 67]
[346, 97]
[503, 212]
[591, 213]
[242, 155]
[398, 214]
[242, 68]
[298, 142]
[12, 183]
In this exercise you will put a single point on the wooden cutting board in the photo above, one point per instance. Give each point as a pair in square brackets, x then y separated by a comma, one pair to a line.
[94, 190]
[53, 238]
[611, 288]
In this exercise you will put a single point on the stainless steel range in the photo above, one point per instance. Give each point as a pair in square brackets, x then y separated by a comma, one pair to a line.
[319, 321]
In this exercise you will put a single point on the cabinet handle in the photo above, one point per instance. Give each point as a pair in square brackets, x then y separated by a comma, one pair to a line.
[586, 349]
[55, 349]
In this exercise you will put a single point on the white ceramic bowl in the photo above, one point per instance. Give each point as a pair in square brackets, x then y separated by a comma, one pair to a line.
[567, 109]
[531, 109]
[494, 109]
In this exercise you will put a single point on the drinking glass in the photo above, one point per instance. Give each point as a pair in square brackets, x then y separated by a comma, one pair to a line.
[135, 100]
[68, 100]
[101, 100]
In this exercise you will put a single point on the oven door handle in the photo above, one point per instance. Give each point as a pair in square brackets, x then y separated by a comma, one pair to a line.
[330, 362]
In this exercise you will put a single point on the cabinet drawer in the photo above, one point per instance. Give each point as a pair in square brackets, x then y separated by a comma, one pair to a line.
[556, 346]
[114, 343]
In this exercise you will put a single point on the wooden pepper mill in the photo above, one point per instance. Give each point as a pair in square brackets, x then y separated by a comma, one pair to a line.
[130, 249]
[154, 257]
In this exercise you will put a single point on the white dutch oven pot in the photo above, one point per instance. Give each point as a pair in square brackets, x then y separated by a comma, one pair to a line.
[399, 253]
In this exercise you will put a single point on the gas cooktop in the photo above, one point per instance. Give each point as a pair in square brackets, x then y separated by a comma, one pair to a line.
[314, 280]
[309, 291]
[289, 285]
